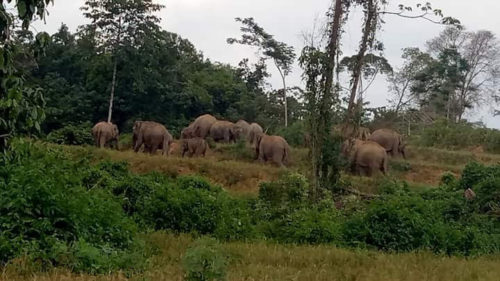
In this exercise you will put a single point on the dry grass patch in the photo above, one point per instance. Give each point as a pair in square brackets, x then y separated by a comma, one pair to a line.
[236, 176]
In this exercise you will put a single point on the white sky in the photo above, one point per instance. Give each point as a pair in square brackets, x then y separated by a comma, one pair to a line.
[208, 23]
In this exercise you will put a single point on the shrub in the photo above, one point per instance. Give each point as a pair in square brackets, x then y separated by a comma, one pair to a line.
[46, 213]
[312, 226]
[205, 261]
[398, 224]
[462, 135]
[294, 134]
[289, 189]
[72, 134]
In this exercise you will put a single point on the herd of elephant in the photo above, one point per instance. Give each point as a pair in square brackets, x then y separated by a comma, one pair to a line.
[367, 152]
[152, 136]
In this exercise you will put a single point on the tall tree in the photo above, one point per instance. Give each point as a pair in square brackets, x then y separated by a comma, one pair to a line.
[481, 52]
[439, 82]
[282, 54]
[372, 22]
[320, 98]
[370, 25]
[120, 24]
[402, 80]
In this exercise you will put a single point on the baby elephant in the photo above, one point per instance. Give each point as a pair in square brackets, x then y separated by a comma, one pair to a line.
[194, 147]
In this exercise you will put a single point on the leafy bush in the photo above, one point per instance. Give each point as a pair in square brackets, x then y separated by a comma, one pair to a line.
[294, 134]
[205, 261]
[48, 214]
[462, 135]
[289, 189]
[72, 134]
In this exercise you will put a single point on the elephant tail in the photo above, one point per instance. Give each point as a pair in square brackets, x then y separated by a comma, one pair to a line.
[384, 165]
[286, 155]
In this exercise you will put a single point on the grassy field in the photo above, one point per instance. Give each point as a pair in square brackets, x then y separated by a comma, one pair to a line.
[264, 261]
[235, 170]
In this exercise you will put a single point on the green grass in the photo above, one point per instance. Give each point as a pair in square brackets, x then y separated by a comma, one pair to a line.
[267, 261]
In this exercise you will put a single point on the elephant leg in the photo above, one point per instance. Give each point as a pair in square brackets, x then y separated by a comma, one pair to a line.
[102, 141]
[138, 145]
[261, 157]
[363, 171]
[154, 148]
[278, 159]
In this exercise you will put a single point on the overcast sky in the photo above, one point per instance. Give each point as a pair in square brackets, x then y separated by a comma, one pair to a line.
[208, 23]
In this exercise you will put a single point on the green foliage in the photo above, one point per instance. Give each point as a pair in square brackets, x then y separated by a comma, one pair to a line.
[48, 215]
[449, 135]
[79, 134]
[485, 181]
[295, 134]
[21, 106]
[290, 189]
[205, 261]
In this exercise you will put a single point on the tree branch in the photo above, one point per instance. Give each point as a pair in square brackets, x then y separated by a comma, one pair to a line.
[421, 16]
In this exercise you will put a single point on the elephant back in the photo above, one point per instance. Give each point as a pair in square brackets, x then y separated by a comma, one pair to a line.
[201, 126]
[222, 130]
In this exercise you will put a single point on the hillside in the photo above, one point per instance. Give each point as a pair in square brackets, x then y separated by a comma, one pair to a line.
[233, 167]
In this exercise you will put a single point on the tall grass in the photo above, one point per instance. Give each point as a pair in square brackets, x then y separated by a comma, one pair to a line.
[267, 261]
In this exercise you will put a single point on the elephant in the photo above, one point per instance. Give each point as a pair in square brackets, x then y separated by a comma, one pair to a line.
[201, 126]
[153, 135]
[243, 129]
[188, 132]
[365, 157]
[272, 148]
[105, 133]
[224, 131]
[253, 134]
[194, 147]
[348, 131]
[392, 141]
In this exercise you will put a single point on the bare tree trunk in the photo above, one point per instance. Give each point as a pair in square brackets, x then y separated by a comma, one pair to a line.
[285, 101]
[112, 96]
[360, 58]
[115, 66]
[401, 97]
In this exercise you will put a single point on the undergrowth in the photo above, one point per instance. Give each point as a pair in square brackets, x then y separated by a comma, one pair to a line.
[57, 210]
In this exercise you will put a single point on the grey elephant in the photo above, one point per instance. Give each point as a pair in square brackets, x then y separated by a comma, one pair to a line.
[365, 157]
[105, 133]
[152, 135]
[272, 148]
[224, 131]
[201, 126]
[254, 133]
[194, 147]
[188, 132]
[242, 129]
[392, 141]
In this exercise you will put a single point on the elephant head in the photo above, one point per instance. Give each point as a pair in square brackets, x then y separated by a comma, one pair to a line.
[187, 133]
[237, 132]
